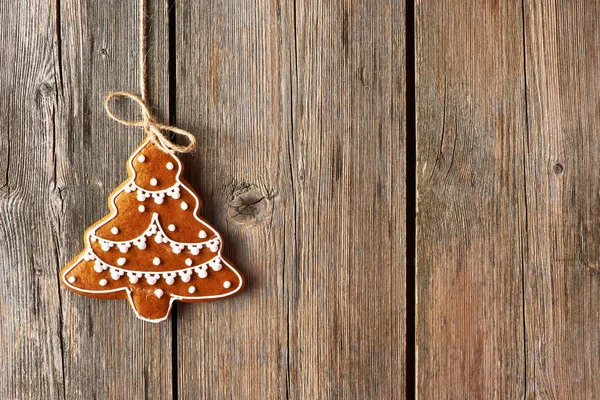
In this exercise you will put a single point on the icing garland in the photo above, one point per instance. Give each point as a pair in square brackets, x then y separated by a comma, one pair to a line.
[158, 195]
[152, 277]
[155, 229]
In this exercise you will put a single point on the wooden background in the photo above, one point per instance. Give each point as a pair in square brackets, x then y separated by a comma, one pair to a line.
[410, 188]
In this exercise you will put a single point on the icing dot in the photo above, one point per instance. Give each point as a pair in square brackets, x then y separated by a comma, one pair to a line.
[170, 280]
[151, 280]
[188, 262]
[171, 227]
[156, 261]
[159, 293]
[115, 275]
[203, 274]
[153, 182]
[105, 246]
[226, 284]
[141, 208]
[192, 289]
[141, 158]
[169, 166]
[202, 234]
[121, 261]
[184, 205]
[114, 230]
[98, 268]
[103, 282]
[141, 197]
[142, 246]
[186, 278]
[72, 279]
[159, 200]
[133, 279]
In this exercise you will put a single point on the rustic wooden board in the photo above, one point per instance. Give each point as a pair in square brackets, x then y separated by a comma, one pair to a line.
[471, 230]
[30, 339]
[108, 352]
[60, 157]
[299, 111]
[562, 285]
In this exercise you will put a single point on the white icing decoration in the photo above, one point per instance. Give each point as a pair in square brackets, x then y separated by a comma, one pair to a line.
[202, 234]
[156, 261]
[169, 166]
[159, 293]
[215, 264]
[170, 280]
[115, 275]
[171, 228]
[159, 200]
[72, 279]
[203, 273]
[121, 261]
[141, 208]
[226, 284]
[192, 289]
[153, 182]
[188, 261]
[114, 230]
[144, 194]
[141, 158]
[132, 278]
[156, 230]
[103, 282]
[184, 205]
[150, 279]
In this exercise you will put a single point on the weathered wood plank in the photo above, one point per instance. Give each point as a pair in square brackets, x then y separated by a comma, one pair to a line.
[30, 323]
[302, 104]
[562, 284]
[108, 352]
[348, 287]
[233, 91]
[471, 130]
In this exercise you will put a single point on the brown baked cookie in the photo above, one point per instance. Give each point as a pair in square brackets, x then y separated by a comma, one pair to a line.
[153, 248]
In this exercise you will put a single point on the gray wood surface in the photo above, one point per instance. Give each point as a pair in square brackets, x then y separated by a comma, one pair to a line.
[61, 158]
[300, 113]
[563, 201]
[299, 110]
[471, 226]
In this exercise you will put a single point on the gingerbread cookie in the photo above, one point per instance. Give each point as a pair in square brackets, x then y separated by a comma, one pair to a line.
[153, 248]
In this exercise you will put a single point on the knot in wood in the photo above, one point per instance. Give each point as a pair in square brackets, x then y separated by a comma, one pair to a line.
[249, 205]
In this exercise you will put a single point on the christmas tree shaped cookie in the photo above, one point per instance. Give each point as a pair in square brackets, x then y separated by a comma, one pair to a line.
[153, 248]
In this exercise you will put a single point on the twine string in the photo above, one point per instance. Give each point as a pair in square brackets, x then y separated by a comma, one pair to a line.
[149, 124]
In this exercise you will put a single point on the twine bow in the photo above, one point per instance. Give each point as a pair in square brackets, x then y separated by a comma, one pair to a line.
[151, 126]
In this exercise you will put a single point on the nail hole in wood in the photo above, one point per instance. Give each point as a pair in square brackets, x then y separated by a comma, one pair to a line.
[558, 168]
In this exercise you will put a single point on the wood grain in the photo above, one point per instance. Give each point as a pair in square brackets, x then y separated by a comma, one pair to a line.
[471, 230]
[299, 110]
[61, 157]
[109, 353]
[30, 333]
[562, 285]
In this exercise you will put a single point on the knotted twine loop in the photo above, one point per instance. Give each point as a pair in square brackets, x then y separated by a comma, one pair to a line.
[151, 126]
